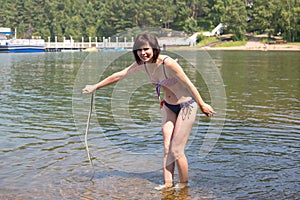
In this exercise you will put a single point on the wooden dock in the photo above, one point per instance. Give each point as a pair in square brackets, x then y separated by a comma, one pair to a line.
[70, 45]
[106, 43]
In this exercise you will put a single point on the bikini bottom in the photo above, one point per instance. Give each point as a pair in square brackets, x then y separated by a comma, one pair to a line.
[176, 108]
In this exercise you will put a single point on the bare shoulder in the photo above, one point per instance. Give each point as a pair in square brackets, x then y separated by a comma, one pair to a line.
[134, 67]
[171, 63]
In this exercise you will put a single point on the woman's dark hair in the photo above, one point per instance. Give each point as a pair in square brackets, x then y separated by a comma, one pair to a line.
[143, 39]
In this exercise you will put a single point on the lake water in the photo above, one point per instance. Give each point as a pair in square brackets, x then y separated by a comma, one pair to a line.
[249, 150]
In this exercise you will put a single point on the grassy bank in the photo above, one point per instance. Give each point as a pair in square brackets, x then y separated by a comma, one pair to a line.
[207, 41]
[232, 44]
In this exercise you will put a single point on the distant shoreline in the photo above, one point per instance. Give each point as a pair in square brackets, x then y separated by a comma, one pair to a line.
[258, 48]
[253, 44]
[288, 48]
[252, 47]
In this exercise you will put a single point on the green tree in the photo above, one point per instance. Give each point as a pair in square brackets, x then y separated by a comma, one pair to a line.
[166, 13]
[190, 25]
[289, 22]
[189, 14]
[235, 18]
[264, 15]
[182, 13]
[84, 18]
[217, 13]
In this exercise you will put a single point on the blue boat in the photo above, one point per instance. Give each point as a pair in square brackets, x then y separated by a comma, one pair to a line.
[9, 45]
[11, 48]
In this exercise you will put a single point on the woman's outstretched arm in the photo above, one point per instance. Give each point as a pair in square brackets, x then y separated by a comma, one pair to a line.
[206, 108]
[115, 77]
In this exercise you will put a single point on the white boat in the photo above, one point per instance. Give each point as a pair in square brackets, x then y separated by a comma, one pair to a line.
[8, 45]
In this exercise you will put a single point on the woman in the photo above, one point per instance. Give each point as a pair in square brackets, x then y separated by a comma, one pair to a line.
[179, 105]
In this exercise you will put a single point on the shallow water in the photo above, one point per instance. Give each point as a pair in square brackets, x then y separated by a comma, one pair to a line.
[43, 120]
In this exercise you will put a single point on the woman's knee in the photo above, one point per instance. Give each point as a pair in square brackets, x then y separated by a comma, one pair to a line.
[172, 152]
[166, 151]
[176, 152]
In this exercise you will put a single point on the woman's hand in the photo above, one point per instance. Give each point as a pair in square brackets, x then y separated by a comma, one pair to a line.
[89, 89]
[207, 110]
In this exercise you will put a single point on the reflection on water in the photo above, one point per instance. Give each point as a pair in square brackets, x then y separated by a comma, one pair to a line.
[43, 154]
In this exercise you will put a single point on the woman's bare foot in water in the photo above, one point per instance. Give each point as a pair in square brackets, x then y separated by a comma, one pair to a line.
[164, 187]
[181, 185]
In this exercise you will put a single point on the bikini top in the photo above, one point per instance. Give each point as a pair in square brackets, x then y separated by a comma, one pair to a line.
[166, 82]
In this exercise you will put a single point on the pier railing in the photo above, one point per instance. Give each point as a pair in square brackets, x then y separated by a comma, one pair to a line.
[85, 45]
[108, 43]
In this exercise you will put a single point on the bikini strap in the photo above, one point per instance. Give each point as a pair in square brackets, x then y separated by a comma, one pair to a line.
[164, 69]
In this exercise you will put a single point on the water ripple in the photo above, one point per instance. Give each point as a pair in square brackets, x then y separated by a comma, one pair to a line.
[43, 153]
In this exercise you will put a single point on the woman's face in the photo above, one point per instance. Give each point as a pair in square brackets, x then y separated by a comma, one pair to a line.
[145, 53]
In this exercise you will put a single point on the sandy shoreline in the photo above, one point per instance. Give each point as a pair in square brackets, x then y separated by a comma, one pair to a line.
[257, 47]
[253, 44]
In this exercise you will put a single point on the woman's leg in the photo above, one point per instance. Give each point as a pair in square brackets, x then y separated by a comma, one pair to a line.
[182, 129]
[168, 125]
